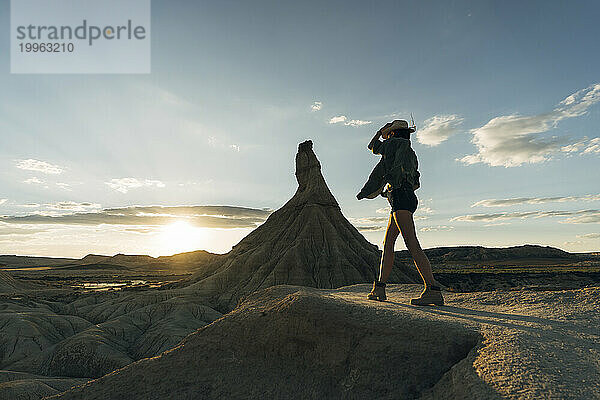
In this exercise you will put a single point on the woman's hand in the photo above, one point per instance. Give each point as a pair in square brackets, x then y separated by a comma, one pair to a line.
[375, 139]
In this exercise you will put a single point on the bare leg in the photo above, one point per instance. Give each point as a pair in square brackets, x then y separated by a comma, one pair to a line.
[406, 225]
[387, 258]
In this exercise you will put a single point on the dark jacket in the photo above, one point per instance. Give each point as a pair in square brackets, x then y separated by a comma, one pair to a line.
[398, 166]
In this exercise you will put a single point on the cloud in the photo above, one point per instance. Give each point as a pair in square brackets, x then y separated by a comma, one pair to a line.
[33, 181]
[225, 217]
[123, 185]
[589, 236]
[574, 217]
[587, 217]
[7, 230]
[39, 166]
[436, 228]
[369, 220]
[585, 146]
[64, 186]
[373, 228]
[73, 206]
[2, 201]
[533, 200]
[234, 147]
[344, 119]
[142, 230]
[316, 106]
[338, 119]
[377, 223]
[30, 205]
[513, 140]
[357, 122]
[593, 146]
[438, 129]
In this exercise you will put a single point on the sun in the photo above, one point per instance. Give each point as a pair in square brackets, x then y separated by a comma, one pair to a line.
[181, 236]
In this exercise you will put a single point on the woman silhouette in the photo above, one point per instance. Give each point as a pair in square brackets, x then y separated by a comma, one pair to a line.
[402, 180]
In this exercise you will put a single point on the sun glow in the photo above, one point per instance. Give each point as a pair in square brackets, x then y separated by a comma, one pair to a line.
[181, 236]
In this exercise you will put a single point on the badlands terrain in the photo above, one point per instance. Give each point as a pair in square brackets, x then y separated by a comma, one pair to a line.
[284, 315]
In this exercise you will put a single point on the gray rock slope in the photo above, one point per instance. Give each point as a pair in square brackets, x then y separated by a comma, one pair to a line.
[307, 242]
[88, 337]
[303, 343]
[8, 284]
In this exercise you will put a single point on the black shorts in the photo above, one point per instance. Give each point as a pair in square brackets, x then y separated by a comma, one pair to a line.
[403, 198]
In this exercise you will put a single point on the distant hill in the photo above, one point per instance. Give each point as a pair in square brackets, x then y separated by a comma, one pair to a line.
[479, 253]
[192, 259]
[437, 254]
[12, 261]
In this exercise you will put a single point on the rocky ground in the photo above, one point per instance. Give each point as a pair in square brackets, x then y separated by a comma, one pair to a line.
[296, 342]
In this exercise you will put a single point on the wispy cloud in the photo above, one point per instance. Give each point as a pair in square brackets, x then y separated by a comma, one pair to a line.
[498, 224]
[33, 181]
[369, 220]
[584, 146]
[573, 217]
[234, 147]
[357, 122]
[30, 205]
[39, 166]
[436, 228]
[225, 217]
[316, 106]
[73, 206]
[589, 236]
[338, 119]
[438, 129]
[512, 140]
[593, 146]
[65, 186]
[354, 122]
[2, 201]
[9, 230]
[372, 228]
[124, 185]
[533, 200]
[377, 223]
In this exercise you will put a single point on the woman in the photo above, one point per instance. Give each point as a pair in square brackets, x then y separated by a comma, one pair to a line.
[403, 179]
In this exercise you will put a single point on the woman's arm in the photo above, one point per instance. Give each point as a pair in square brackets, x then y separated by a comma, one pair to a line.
[375, 139]
[372, 144]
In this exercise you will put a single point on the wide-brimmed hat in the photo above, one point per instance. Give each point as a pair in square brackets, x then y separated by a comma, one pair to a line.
[398, 125]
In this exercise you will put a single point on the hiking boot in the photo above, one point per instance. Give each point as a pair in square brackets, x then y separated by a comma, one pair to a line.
[430, 296]
[378, 291]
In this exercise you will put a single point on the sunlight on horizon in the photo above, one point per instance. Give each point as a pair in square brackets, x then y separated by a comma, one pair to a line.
[181, 236]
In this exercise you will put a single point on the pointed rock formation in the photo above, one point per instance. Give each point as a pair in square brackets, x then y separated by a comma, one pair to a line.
[306, 242]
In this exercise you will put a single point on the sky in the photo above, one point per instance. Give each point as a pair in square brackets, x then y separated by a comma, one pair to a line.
[197, 153]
